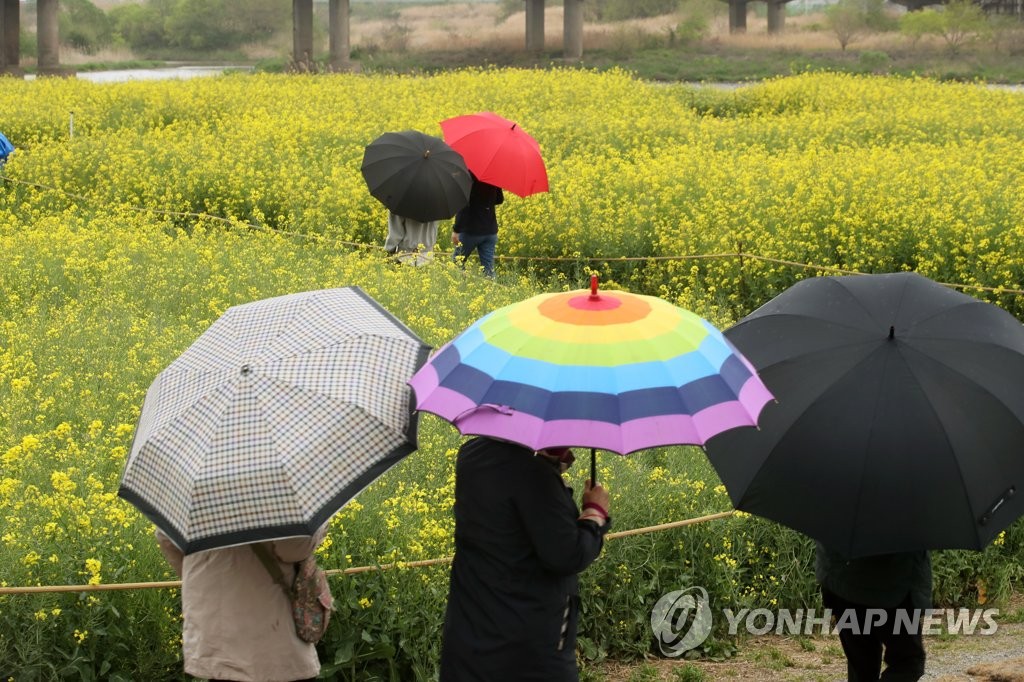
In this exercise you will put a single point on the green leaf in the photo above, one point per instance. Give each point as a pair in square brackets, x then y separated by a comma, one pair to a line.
[344, 653]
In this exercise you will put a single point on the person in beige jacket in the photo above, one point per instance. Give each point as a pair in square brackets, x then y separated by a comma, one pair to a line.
[237, 620]
[410, 241]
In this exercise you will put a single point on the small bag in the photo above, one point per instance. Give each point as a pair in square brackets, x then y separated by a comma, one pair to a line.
[309, 594]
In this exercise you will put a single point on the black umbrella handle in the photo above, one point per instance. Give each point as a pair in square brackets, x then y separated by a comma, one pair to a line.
[593, 468]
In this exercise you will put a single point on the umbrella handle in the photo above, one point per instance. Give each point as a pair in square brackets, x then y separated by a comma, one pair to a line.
[593, 468]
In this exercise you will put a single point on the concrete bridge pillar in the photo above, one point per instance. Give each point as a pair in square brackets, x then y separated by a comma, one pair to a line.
[573, 30]
[10, 37]
[737, 16]
[776, 16]
[302, 35]
[341, 46]
[48, 37]
[534, 25]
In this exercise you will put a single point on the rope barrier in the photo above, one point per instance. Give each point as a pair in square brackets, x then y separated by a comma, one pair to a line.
[170, 584]
[233, 223]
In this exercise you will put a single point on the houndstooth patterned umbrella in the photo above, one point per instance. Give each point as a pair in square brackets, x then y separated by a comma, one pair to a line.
[279, 414]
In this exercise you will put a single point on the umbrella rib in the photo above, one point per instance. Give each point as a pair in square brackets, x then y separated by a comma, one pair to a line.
[326, 397]
[998, 401]
[863, 460]
[941, 311]
[367, 415]
[810, 402]
[277, 448]
[194, 480]
[801, 316]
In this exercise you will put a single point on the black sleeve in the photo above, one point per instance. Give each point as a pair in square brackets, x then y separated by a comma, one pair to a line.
[564, 545]
[499, 197]
[459, 218]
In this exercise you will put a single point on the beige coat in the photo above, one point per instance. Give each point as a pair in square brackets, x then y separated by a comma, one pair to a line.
[412, 241]
[238, 623]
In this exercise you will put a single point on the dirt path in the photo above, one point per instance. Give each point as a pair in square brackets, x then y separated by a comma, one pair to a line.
[971, 658]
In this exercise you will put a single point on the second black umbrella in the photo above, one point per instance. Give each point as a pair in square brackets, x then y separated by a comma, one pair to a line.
[416, 175]
[900, 417]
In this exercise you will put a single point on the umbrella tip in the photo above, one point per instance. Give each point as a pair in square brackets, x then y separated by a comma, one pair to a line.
[892, 332]
[593, 288]
[426, 153]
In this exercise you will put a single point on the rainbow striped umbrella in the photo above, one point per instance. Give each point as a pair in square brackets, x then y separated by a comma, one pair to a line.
[611, 370]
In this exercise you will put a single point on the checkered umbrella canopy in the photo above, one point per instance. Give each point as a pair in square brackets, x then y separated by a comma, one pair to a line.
[279, 414]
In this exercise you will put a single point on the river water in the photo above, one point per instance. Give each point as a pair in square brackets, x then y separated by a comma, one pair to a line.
[184, 72]
[181, 72]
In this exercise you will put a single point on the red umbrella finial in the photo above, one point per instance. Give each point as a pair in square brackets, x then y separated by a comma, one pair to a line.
[593, 288]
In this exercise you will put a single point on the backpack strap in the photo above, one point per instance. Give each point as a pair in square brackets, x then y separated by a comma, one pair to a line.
[273, 567]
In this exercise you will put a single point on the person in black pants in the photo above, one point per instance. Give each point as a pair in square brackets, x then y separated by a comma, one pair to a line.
[476, 225]
[520, 541]
[879, 604]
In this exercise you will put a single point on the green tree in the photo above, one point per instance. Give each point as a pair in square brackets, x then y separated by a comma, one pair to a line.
[957, 23]
[141, 26]
[916, 25]
[850, 19]
[84, 26]
[256, 20]
[696, 20]
[201, 25]
[847, 20]
[962, 22]
[619, 10]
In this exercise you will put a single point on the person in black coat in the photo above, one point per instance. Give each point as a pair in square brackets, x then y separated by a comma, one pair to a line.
[520, 542]
[476, 225]
[874, 599]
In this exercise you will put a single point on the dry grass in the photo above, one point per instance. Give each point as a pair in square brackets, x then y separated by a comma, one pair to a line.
[110, 55]
[468, 26]
[1004, 671]
[455, 27]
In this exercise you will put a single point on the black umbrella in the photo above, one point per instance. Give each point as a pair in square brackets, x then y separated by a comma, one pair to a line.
[899, 422]
[417, 176]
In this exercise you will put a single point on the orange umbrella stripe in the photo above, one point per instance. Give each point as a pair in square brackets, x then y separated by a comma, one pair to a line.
[572, 308]
[662, 319]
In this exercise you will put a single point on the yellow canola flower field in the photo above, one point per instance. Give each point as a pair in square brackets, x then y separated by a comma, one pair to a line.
[855, 173]
[109, 274]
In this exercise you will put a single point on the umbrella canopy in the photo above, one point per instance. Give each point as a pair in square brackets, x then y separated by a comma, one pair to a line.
[416, 175]
[615, 371]
[279, 414]
[498, 152]
[899, 424]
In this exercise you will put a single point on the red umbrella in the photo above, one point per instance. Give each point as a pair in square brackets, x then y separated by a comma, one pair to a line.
[498, 151]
